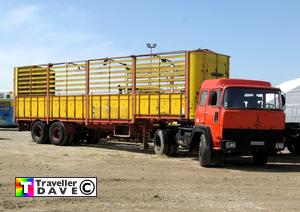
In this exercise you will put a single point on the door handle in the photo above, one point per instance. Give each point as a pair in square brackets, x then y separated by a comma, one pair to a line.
[216, 117]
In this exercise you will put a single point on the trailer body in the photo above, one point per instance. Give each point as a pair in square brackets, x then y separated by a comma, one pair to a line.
[117, 94]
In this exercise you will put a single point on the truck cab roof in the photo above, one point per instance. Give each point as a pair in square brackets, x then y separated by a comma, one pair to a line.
[225, 82]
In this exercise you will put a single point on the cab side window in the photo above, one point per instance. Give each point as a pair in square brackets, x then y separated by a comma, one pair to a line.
[203, 97]
[214, 98]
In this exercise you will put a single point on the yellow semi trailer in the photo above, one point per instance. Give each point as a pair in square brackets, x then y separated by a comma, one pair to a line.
[129, 96]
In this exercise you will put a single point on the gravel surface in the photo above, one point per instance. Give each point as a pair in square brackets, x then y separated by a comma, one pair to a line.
[130, 180]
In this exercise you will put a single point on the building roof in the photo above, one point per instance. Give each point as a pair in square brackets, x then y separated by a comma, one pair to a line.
[289, 85]
[292, 90]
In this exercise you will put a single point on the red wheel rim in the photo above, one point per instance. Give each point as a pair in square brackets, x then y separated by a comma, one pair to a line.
[56, 133]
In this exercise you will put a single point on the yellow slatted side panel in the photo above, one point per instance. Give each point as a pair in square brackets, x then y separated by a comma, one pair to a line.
[125, 107]
[104, 107]
[71, 107]
[80, 107]
[34, 105]
[30, 107]
[63, 107]
[27, 107]
[169, 104]
[101, 107]
[113, 107]
[41, 106]
[54, 106]
[20, 107]
[119, 106]
[67, 107]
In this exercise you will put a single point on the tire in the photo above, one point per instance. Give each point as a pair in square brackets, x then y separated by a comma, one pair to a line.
[205, 153]
[173, 149]
[39, 132]
[58, 135]
[161, 145]
[293, 148]
[260, 158]
[170, 138]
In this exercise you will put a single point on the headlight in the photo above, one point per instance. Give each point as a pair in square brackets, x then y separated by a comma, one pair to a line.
[279, 145]
[230, 145]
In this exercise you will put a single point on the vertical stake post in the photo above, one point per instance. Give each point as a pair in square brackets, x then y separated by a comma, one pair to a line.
[87, 90]
[133, 84]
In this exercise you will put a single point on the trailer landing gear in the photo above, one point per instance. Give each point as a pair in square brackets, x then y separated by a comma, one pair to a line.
[144, 146]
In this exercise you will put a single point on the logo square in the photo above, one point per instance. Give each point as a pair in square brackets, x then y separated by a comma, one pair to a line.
[24, 187]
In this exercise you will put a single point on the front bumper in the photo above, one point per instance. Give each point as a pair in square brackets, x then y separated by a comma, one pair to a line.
[245, 146]
[249, 140]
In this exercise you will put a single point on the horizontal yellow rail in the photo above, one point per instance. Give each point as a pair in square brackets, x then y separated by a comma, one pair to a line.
[113, 61]
[33, 69]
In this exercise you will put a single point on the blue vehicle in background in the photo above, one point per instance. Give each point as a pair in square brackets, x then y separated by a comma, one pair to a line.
[7, 109]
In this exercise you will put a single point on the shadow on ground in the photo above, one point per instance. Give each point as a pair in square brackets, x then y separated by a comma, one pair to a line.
[282, 162]
[8, 129]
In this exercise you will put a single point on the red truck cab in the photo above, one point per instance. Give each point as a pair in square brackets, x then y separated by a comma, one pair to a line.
[238, 116]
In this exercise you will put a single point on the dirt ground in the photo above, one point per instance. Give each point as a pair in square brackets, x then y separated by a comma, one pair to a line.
[129, 180]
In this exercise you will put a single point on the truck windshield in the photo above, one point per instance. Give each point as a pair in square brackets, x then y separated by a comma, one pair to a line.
[252, 98]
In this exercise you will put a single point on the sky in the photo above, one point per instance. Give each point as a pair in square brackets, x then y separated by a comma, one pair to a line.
[261, 36]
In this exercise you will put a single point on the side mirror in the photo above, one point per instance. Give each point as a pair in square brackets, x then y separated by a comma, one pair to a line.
[283, 100]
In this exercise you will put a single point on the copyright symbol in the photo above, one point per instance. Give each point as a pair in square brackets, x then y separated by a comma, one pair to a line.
[87, 187]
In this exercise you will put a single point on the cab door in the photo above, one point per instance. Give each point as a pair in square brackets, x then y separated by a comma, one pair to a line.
[213, 111]
[200, 114]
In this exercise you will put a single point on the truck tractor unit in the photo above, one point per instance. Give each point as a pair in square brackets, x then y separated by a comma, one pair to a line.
[242, 117]
[180, 98]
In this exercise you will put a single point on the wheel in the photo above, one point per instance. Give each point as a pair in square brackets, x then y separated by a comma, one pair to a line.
[170, 139]
[260, 158]
[39, 133]
[205, 154]
[161, 146]
[173, 149]
[58, 135]
[293, 148]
